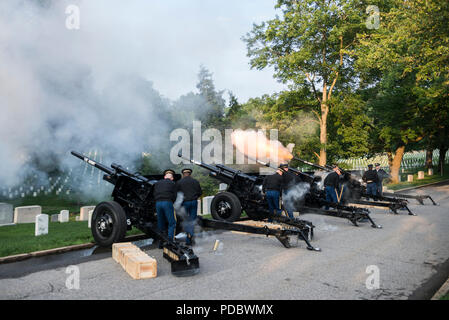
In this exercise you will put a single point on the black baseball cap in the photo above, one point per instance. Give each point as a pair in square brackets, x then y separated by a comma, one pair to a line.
[186, 170]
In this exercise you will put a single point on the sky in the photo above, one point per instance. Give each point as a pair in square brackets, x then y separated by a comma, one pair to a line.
[169, 40]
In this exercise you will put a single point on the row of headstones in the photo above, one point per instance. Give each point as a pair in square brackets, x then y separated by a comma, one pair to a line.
[28, 214]
[420, 175]
[41, 220]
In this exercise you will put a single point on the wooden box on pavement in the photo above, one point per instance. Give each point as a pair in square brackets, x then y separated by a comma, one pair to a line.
[141, 266]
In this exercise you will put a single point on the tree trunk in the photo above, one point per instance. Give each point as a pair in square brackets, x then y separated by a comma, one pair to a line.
[429, 158]
[323, 126]
[395, 164]
[442, 160]
[323, 135]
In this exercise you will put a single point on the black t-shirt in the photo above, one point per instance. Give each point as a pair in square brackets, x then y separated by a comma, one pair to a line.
[165, 190]
[333, 180]
[273, 182]
[370, 176]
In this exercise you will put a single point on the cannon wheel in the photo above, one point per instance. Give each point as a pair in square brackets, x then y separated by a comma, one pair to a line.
[226, 206]
[256, 214]
[108, 223]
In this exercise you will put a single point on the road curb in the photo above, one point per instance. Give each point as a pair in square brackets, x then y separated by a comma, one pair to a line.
[35, 254]
[420, 186]
[442, 291]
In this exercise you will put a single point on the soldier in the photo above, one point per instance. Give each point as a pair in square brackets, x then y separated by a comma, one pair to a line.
[332, 186]
[165, 196]
[381, 175]
[371, 179]
[272, 186]
[289, 180]
[191, 190]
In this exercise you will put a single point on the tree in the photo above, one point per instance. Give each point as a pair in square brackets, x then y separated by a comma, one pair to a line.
[409, 56]
[213, 111]
[307, 48]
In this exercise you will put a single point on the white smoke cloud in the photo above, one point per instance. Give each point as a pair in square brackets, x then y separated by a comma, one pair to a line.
[63, 90]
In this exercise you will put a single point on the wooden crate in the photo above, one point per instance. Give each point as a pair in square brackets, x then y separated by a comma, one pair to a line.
[140, 266]
[116, 248]
[130, 254]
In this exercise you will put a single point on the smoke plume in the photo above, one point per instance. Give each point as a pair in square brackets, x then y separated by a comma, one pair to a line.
[84, 90]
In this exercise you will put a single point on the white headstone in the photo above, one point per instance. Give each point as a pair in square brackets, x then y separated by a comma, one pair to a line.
[206, 204]
[430, 172]
[54, 218]
[41, 224]
[223, 186]
[410, 178]
[84, 212]
[64, 216]
[6, 213]
[89, 221]
[26, 214]
[420, 175]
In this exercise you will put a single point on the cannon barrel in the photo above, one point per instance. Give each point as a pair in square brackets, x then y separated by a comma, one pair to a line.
[325, 168]
[97, 165]
[215, 171]
[120, 169]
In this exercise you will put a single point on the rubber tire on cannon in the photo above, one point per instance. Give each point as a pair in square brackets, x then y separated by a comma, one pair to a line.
[226, 206]
[108, 223]
[255, 214]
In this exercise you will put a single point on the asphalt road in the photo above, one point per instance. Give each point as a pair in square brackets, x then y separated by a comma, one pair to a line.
[411, 254]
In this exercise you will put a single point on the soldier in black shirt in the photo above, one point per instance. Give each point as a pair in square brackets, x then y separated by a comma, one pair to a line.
[272, 186]
[332, 186]
[165, 195]
[191, 191]
[381, 175]
[371, 179]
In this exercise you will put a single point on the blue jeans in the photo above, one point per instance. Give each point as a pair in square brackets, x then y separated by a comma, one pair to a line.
[371, 188]
[331, 195]
[166, 215]
[379, 188]
[191, 208]
[272, 197]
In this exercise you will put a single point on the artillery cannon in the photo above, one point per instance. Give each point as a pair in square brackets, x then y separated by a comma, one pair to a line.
[133, 205]
[357, 191]
[244, 193]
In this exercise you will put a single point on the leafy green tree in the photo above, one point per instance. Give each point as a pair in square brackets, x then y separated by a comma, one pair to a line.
[307, 48]
[349, 126]
[406, 60]
[212, 112]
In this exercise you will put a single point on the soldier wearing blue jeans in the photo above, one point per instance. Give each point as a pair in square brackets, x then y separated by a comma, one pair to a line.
[371, 179]
[272, 187]
[332, 184]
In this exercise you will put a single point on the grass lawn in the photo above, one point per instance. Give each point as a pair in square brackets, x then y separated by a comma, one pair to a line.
[427, 179]
[20, 238]
[445, 297]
